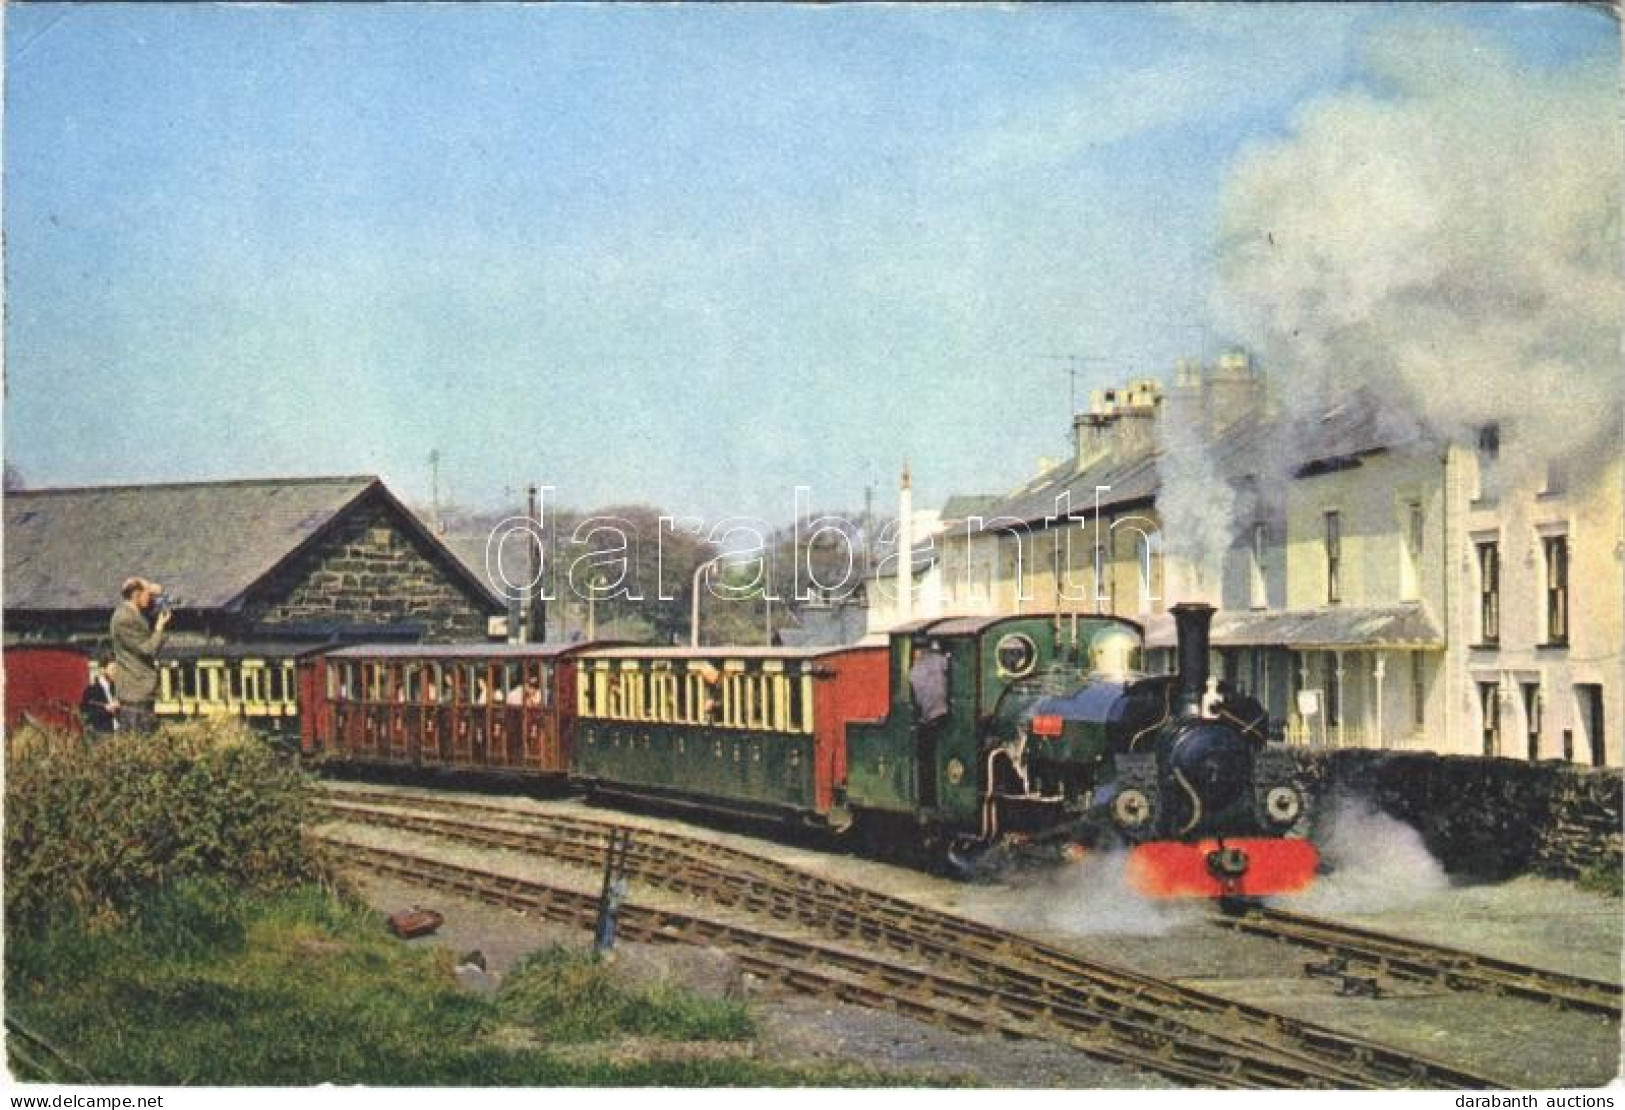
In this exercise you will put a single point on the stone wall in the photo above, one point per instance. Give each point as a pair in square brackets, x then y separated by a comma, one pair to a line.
[1482, 818]
[370, 570]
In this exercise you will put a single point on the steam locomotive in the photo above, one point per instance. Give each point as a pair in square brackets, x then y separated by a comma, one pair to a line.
[959, 738]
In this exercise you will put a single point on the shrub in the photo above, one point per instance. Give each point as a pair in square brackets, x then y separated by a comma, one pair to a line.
[92, 827]
[1604, 876]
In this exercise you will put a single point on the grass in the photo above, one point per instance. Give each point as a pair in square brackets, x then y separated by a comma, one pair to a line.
[1603, 877]
[202, 984]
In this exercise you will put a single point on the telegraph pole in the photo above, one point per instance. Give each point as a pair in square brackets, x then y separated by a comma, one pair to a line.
[536, 593]
[434, 490]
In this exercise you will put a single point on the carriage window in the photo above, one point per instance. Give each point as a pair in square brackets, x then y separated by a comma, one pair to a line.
[686, 684]
[600, 692]
[781, 703]
[792, 704]
[671, 710]
[753, 702]
[211, 681]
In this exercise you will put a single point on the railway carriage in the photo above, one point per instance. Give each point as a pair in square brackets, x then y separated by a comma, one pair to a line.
[469, 707]
[257, 683]
[43, 685]
[757, 731]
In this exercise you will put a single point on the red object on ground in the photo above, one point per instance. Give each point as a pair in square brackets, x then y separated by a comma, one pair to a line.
[407, 924]
[1171, 869]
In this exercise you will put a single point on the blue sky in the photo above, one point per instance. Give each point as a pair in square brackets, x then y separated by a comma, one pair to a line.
[692, 256]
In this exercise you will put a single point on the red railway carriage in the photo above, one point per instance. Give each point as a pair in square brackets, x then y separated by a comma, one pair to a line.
[747, 730]
[479, 707]
[43, 685]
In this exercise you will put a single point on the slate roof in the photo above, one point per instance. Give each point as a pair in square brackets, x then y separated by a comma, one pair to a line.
[208, 543]
[1347, 432]
[962, 506]
[1404, 626]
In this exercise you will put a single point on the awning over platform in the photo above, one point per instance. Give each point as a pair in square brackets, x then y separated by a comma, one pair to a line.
[1403, 627]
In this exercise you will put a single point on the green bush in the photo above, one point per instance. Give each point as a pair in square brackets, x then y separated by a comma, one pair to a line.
[1603, 877]
[92, 827]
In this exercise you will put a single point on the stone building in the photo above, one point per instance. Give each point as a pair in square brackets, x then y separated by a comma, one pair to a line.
[287, 559]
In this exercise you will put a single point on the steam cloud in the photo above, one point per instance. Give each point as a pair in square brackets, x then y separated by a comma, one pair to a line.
[1092, 897]
[1450, 239]
[1377, 863]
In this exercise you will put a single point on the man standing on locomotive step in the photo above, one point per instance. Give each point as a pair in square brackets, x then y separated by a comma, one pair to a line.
[135, 649]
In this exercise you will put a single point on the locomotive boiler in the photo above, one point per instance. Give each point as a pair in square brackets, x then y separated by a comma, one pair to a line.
[1176, 769]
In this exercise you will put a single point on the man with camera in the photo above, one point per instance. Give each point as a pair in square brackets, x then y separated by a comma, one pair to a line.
[136, 641]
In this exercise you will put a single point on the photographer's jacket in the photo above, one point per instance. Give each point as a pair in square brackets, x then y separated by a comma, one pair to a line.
[135, 645]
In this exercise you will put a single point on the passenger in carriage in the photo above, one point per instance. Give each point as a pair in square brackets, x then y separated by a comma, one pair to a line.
[530, 696]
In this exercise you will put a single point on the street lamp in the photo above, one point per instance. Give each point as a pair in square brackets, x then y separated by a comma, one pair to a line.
[694, 600]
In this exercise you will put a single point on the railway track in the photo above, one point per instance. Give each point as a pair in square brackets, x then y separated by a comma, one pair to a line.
[960, 1004]
[1419, 961]
[732, 877]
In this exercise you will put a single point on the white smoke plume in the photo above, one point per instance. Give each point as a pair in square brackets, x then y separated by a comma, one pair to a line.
[1448, 238]
[1198, 507]
[1375, 863]
[1092, 897]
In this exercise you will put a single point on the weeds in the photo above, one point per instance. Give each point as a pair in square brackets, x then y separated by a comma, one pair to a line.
[203, 985]
[1606, 876]
[568, 997]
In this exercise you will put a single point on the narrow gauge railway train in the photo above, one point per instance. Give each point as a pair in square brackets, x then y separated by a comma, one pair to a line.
[958, 735]
[255, 682]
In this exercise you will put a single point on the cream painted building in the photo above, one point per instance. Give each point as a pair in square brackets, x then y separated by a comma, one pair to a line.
[1537, 641]
[1354, 594]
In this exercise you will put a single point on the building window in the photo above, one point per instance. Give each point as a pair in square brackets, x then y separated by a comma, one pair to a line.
[1557, 589]
[1531, 718]
[1489, 703]
[1589, 697]
[1143, 552]
[1411, 576]
[1334, 555]
[1260, 589]
[1334, 702]
[1419, 691]
[1489, 593]
[1102, 595]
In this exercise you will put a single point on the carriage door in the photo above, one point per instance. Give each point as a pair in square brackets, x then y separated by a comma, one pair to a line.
[928, 685]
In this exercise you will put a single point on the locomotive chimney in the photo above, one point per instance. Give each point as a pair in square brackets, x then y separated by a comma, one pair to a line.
[1191, 624]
